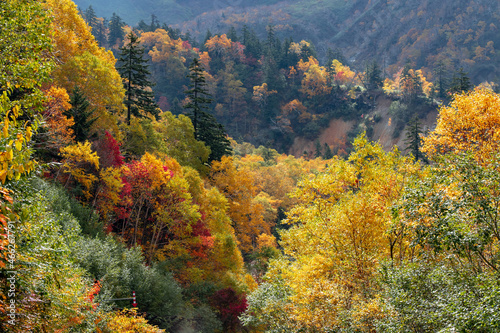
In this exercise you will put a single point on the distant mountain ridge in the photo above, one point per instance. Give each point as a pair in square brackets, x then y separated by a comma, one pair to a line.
[168, 11]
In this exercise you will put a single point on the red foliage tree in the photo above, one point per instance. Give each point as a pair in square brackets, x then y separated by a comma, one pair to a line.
[230, 306]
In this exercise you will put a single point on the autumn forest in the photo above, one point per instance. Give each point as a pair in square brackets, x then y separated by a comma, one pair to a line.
[230, 173]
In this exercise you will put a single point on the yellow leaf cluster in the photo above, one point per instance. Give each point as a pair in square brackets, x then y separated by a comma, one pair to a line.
[14, 150]
[297, 47]
[315, 81]
[261, 93]
[162, 46]
[128, 321]
[240, 188]
[58, 126]
[81, 62]
[219, 45]
[341, 230]
[343, 74]
[296, 107]
[470, 123]
[77, 160]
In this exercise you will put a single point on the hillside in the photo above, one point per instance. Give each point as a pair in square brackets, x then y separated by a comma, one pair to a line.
[168, 11]
[126, 207]
[455, 34]
[460, 33]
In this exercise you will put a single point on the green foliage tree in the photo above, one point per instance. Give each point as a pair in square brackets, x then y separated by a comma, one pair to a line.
[52, 294]
[134, 71]
[121, 270]
[373, 79]
[206, 127]
[327, 154]
[24, 67]
[318, 149]
[451, 219]
[81, 114]
[460, 83]
[413, 139]
[116, 33]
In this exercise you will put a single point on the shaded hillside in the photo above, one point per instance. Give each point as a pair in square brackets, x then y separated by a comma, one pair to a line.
[383, 129]
[449, 34]
[457, 34]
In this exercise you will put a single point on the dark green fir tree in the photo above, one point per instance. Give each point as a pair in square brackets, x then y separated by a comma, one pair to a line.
[440, 73]
[328, 154]
[134, 71]
[373, 80]
[116, 33]
[206, 127]
[317, 152]
[413, 139]
[90, 17]
[82, 115]
[460, 83]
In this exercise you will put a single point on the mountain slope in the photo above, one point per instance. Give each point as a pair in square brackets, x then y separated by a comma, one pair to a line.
[452, 33]
[168, 11]
[457, 34]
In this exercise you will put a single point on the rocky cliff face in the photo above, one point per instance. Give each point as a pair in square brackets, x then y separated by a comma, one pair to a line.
[336, 134]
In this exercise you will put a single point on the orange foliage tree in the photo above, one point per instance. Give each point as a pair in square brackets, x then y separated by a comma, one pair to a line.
[240, 189]
[56, 132]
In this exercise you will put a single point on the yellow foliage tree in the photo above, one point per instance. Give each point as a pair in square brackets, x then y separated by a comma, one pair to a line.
[81, 62]
[315, 81]
[219, 45]
[471, 122]
[82, 164]
[341, 230]
[162, 46]
[58, 132]
[224, 264]
[295, 108]
[261, 93]
[343, 74]
[128, 321]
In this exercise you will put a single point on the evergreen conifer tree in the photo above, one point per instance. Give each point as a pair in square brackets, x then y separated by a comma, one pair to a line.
[374, 78]
[441, 79]
[317, 153]
[232, 35]
[90, 17]
[116, 33]
[413, 139]
[460, 83]
[206, 127]
[328, 152]
[81, 115]
[134, 72]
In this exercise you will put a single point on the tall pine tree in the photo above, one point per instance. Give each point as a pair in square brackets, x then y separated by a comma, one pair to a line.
[116, 33]
[373, 79]
[134, 71]
[81, 114]
[460, 83]
[413, 139]
[206, 127]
